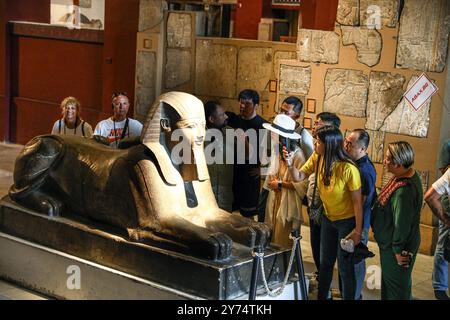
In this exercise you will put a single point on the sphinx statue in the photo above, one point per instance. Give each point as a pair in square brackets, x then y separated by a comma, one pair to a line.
[138, 191]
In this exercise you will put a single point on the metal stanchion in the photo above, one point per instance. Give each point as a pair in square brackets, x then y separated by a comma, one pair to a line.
[299, 263]
[255, 270]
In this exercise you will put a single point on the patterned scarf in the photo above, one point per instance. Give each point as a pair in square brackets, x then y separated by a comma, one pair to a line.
[390, 188]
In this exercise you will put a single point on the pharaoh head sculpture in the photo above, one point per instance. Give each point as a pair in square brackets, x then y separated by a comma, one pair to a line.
[176, 122]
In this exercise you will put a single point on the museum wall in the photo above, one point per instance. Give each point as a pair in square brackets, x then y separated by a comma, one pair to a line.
[33, 11]
[363, 80]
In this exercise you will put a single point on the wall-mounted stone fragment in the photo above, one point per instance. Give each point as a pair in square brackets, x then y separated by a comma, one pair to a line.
[281, 55]
[368, 43]
[215, 69]
[385, 92]
[179, 30]
[150, 14]
[295, 79]
[423, 35]
[254, 68]
[346, 92]
[378, 13]
[317, 46]
[178, 68]
[348, 12]
[406, 120]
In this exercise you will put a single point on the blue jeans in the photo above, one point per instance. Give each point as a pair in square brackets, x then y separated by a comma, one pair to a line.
[440, 270]
[331, 234]
[360, 268]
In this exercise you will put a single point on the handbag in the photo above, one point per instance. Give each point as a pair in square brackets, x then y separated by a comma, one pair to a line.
[316, 211]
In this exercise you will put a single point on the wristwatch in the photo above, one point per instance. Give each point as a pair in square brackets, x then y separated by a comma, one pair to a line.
[280, 184]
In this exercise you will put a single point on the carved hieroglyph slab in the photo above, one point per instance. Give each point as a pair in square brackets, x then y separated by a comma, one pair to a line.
[423, 35]
[346, 92]
[215, 69]
[379, 13]
[150, 14]
[145, 77]
[295, 79]
[376, 145]
[281, 55]
[179, 30]
[317, 46]
[385, 92]
[406, 120]
[254, 68]
[146, 69]
[178, 68]
[348, 12]
[368, 43]
[144, 99]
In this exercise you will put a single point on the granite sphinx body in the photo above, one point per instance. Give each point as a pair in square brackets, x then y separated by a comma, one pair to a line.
[138, 190]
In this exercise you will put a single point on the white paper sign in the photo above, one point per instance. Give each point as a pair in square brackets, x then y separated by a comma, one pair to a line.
[420, 92]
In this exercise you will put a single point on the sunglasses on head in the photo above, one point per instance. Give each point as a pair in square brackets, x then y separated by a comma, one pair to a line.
[119, 93]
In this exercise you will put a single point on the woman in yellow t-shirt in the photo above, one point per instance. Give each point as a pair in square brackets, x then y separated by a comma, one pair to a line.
[339, 188]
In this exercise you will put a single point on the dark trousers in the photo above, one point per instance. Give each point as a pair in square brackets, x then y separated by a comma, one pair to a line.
[314, 231]
[331, 234]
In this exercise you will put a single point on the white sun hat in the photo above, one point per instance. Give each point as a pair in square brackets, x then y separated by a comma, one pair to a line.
[284, 126]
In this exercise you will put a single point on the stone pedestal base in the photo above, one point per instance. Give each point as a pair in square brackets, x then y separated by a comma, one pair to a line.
[47, 254]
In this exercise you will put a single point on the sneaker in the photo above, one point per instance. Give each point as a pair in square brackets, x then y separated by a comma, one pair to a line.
[441, 295]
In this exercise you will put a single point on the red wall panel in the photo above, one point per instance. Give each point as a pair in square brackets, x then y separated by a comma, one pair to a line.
[50, 70]
[248, 15]
[28, 10]
[119, 51]
[32, 118]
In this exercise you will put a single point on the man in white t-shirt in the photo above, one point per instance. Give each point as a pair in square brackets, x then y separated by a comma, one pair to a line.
[435, 198]
[119, 126]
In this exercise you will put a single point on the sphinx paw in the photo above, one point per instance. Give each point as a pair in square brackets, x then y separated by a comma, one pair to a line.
[262, 234]
[219, 246]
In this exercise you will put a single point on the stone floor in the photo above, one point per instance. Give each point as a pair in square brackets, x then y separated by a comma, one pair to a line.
[422, 288]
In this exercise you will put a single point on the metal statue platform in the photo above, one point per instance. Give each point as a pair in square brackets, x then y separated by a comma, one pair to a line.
[48, 254]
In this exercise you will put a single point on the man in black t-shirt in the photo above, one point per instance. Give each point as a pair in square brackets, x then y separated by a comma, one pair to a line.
[246, 178]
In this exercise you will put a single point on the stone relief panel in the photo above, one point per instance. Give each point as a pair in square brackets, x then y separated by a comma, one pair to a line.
[379, 13]
[348, 12]
[145, 77]
[318, 46]
[423, 35]
[215, 69]
[254, 68]
[150, 14]
[385, 92]
[281, 55]
[179, 30]
[178, 67]
[405, 120]
[346, 92]
[368, 43]
[146, 68]
[144, 99]
[295, 79]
